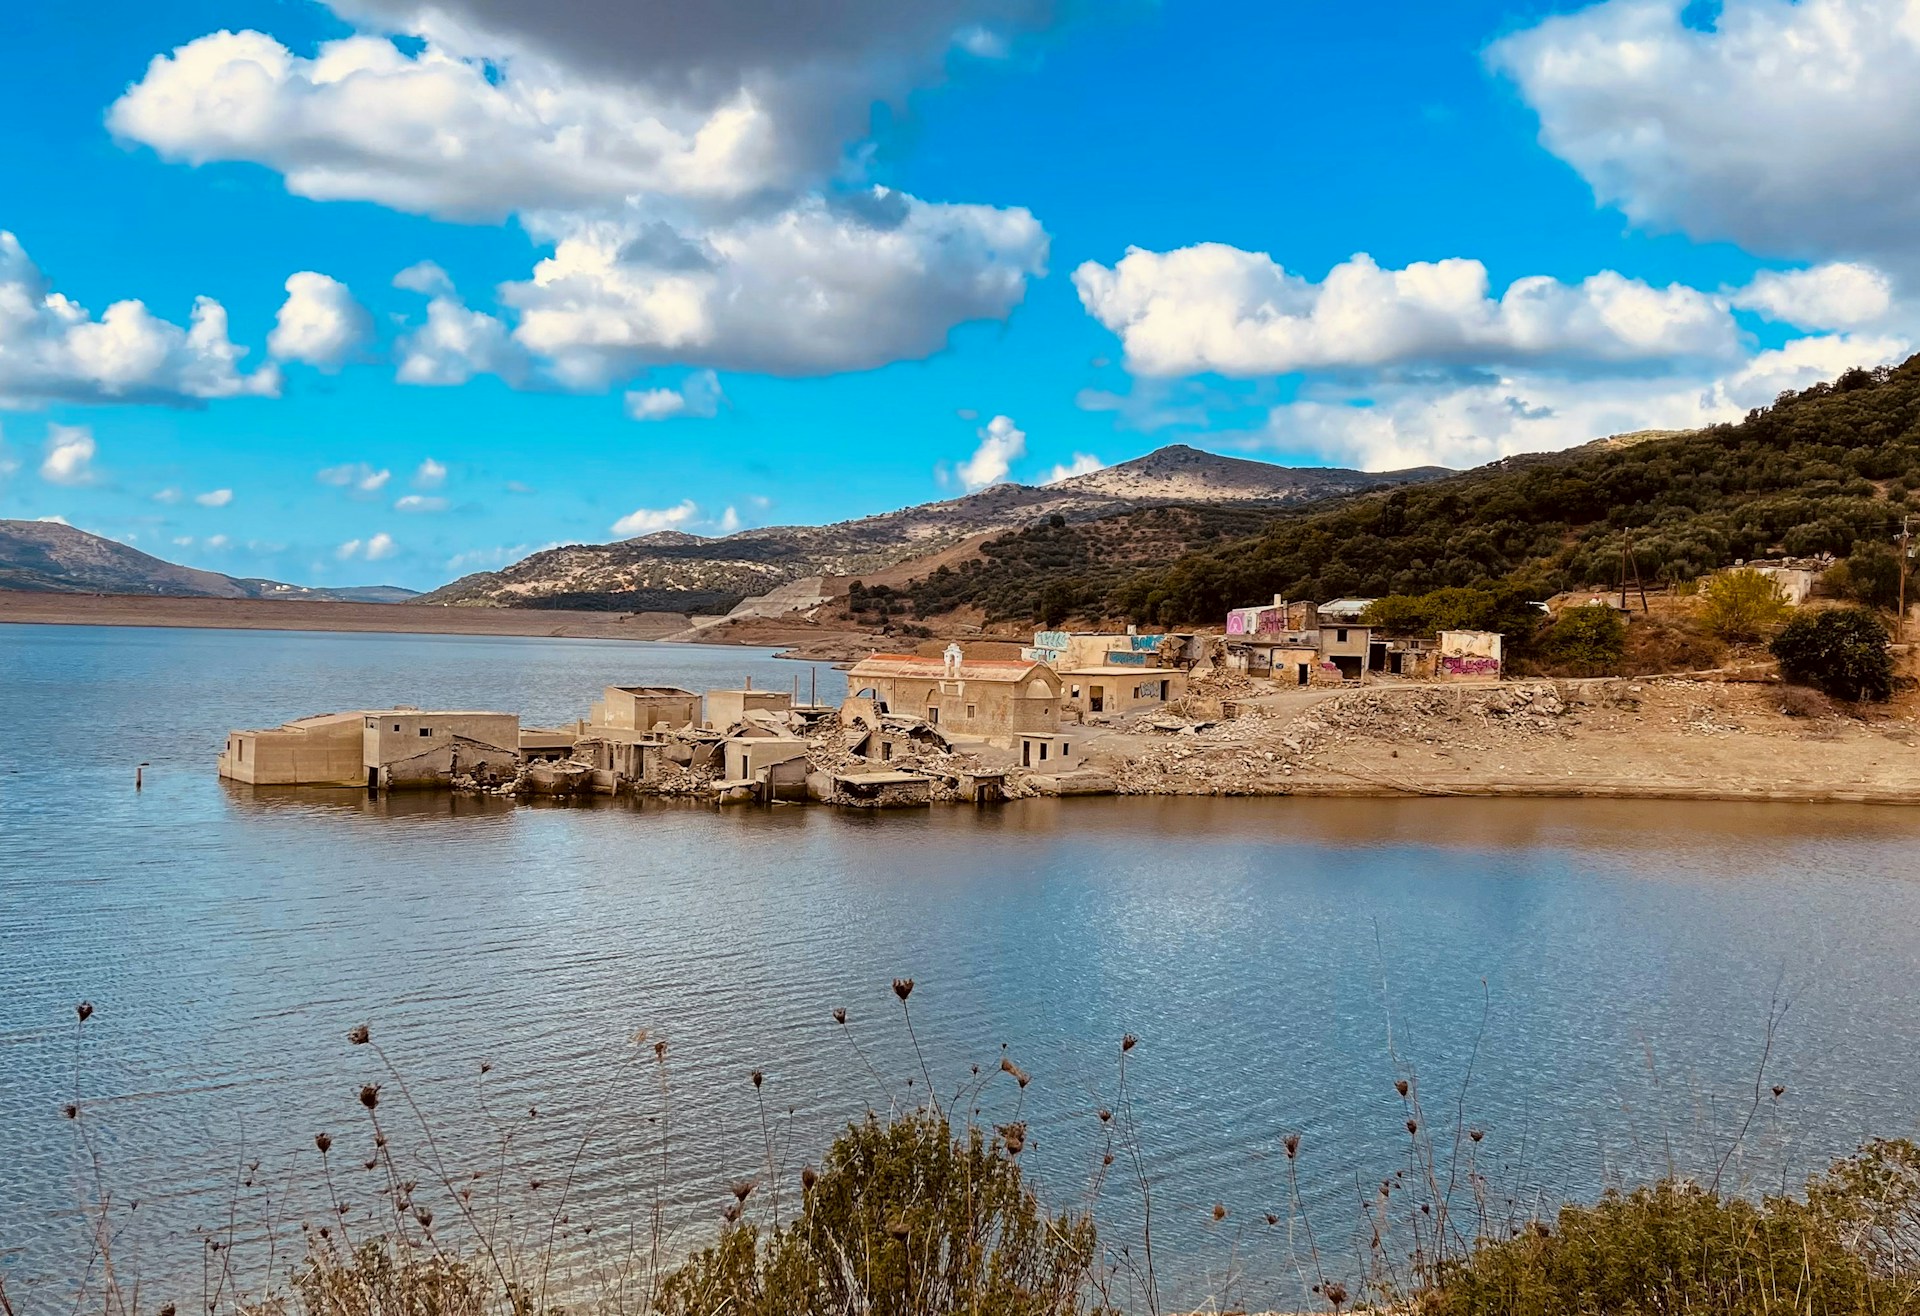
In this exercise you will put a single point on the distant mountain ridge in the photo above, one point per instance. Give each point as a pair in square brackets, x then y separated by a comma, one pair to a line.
[672, 570]
[49, 557]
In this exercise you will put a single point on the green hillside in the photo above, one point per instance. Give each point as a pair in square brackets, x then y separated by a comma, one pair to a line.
[1818, 471]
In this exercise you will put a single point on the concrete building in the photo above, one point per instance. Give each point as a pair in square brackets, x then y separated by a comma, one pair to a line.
[1053, 753]
[327, 750]
[881, 790]
[1349, 648]
[384, 749]
[1062, 650]
[1469, 655]
[643, 707]
[412, 748]
[994, 699]
[1120, 689]
[725, 708]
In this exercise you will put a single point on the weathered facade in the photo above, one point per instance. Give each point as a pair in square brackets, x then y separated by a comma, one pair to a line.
[383, 749]
[1469, 655]
[644, 707]
[995, 699]
[1120, 689]
[726, 708]
[413, 748]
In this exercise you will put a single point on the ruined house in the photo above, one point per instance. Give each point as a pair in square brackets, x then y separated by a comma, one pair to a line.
[383, 749]
[644, 707]
[994, 699]
[727, 708]
[1468, 655]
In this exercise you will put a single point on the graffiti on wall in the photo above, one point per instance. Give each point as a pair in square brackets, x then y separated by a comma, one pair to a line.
[1468, 665]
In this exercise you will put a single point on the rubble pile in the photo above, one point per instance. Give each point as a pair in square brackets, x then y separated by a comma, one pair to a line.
[1259, 751]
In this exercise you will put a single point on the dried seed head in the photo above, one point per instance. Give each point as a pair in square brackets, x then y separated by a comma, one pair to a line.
[903, 987]
[1400, 1086]
[323, 1142]
[1336, 1293]
[370, 1095]
[1014, 1136]
[1476, 1134]
[1413, 1126]
[640, 1037]
[1779, 1091]
[369, 1163]
[84, 1010]
[533, 1112]
[358, 1035]
[486, 1066]
[731, 1214]
[424, 1216]
[1219, 1211]
[741, 1188]
[660, 1049]
[1019, 1074]
[807, 1177]
[379, 1139]
[167, 1310]
[840, 1016]
[758, 1078]
[71, 1111]
[1128, 1042]
[1272, 1219]
[1104, 1114]
[1292, 1145]
[1107, 1159]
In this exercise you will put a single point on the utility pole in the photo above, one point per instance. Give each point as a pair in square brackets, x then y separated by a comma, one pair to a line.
[1628, 562]
[1906, 551]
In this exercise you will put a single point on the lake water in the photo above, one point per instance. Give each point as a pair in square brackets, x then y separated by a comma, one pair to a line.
[1590, 982]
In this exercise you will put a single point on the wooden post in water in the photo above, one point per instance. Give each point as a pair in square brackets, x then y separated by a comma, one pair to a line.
[139, 776]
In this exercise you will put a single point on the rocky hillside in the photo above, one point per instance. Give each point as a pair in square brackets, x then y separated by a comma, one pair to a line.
[45, 556]
[682, 572]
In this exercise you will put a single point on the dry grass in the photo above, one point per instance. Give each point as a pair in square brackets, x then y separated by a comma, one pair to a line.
[924, 1210]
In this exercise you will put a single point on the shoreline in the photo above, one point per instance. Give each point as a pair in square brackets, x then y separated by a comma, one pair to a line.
[801, 641]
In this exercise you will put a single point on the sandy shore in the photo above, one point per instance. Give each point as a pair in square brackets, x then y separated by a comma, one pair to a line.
[303, 615]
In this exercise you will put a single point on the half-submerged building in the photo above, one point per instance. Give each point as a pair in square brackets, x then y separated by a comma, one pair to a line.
[382, 749]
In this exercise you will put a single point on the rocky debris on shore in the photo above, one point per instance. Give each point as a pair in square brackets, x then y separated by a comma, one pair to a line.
[1259, 751]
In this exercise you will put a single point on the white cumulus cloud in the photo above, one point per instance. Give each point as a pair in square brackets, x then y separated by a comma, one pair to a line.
[214, 498]
[1216, 308]
[1791, 128]
[52, 349]
[70, 450]
[371, 549]
[816, 288]
[1083, 463]
[1001, 444]
[357, 476]
[455, 344]
[430, 475]
[419, 503]
[651, 520]
[320, 323]
[1840, 295]
[698, 396]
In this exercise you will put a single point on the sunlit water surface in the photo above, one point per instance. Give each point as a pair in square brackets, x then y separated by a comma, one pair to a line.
[1589, 982]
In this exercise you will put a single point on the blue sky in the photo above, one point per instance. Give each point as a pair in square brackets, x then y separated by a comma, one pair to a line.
[767, 263]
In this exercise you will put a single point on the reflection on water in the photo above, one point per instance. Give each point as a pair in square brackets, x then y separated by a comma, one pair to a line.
[1621, 958]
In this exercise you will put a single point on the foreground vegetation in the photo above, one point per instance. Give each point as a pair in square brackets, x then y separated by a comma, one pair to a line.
[924, 1211]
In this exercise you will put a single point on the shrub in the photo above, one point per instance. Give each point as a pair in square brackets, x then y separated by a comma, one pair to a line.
[904, 1218]
[1743, 606]
[1798, 701]
[1869, 575]
[1585, 641]
[1659, 644]
[1842, 652]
